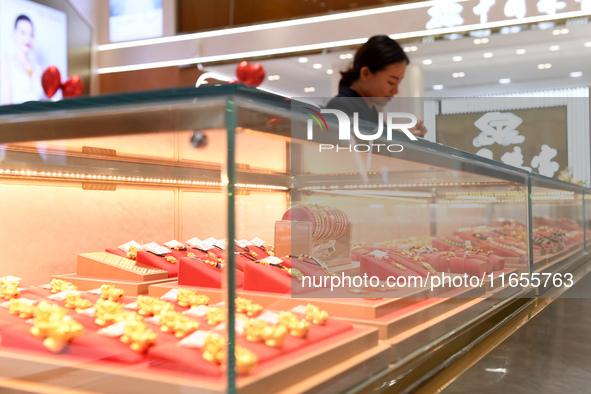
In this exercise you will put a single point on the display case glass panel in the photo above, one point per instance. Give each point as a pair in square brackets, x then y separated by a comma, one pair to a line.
[311, 243]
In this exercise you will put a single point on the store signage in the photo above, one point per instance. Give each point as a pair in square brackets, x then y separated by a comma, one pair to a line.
[459, 13]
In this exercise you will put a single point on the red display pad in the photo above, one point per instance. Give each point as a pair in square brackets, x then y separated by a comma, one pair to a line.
[197, 273]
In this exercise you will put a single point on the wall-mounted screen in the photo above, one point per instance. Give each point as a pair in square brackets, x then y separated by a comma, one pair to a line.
[32, 38]
[135, 19]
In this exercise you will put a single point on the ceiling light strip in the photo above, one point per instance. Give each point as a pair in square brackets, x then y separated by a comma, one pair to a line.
[334, 44]
[273, 25]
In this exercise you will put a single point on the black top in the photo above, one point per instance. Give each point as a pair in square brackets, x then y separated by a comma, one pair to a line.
[350, 101]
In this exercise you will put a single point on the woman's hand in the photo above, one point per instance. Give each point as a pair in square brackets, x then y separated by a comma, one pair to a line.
[419, 130]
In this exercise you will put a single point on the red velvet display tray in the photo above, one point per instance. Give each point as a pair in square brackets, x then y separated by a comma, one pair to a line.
[325, 347]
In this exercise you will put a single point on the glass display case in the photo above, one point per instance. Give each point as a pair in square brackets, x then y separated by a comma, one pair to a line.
[133, 224]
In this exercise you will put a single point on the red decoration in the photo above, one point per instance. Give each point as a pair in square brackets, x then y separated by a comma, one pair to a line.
[72, 87]
[250, 74]
[51, 81]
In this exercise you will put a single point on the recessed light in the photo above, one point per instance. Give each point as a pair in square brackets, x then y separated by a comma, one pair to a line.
[310, 89]
[487, 55]
[479, 41]
[329, 71]
[510, 30]
[460, 74]
[412, 48]
[587, 44]
[457, 58]
[345, 56]
[576, 74]
[543, 66]
[303, 60]
[437, 87]
[554, 47]
[505, 80]
[426, 62]
[273, 77]
[317, 66]
[520, 51]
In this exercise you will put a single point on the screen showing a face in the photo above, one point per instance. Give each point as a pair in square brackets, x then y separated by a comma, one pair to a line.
[32, 38]
[135, 19]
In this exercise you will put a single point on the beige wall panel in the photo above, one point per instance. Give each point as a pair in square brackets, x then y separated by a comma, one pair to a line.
[256, 151]
[203, 215]
[160, 145]
[45, 227]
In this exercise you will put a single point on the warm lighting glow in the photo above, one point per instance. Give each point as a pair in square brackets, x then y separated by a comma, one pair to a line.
[58, 175]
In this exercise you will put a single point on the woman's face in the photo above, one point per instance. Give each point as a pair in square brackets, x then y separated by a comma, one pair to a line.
[23, 36]
[382, 85]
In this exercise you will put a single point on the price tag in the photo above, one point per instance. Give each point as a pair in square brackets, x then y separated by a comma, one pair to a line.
[196, 311]
[156, 249]
[95, 291]
[272, 260]
[62, 295]
[220, 244]
[132, 305]
[154, 320]
[114, 330]
[269, 317]
[204, 245]
[174, 244]
[196, 339]
[300, 309]
[125, 247]
[378, 254]
[193, 241]
[23, 300]
[238, 326]
[171, 296]
[257, 242]
[243, 243]
[12, 278]
[211, 240]
[87, 312]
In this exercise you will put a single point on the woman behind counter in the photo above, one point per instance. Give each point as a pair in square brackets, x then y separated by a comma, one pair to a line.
[378, 68]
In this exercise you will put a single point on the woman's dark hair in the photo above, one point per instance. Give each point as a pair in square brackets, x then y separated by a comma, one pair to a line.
[377, 53]
[22, 18]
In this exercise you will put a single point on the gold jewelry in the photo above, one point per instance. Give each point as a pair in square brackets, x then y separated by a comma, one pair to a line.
[74, 301]
[190, 298]
[132, 253]
[59, 285]
[248, 307]
[9, 288]
[215, 316]
[260, 331]
[177, 324]
[152, 306]
[110, 292]
[297, 327]
[138, 336]
[20, 308]
[316, 315]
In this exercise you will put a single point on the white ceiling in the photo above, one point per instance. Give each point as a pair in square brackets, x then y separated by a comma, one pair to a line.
[481, 75]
